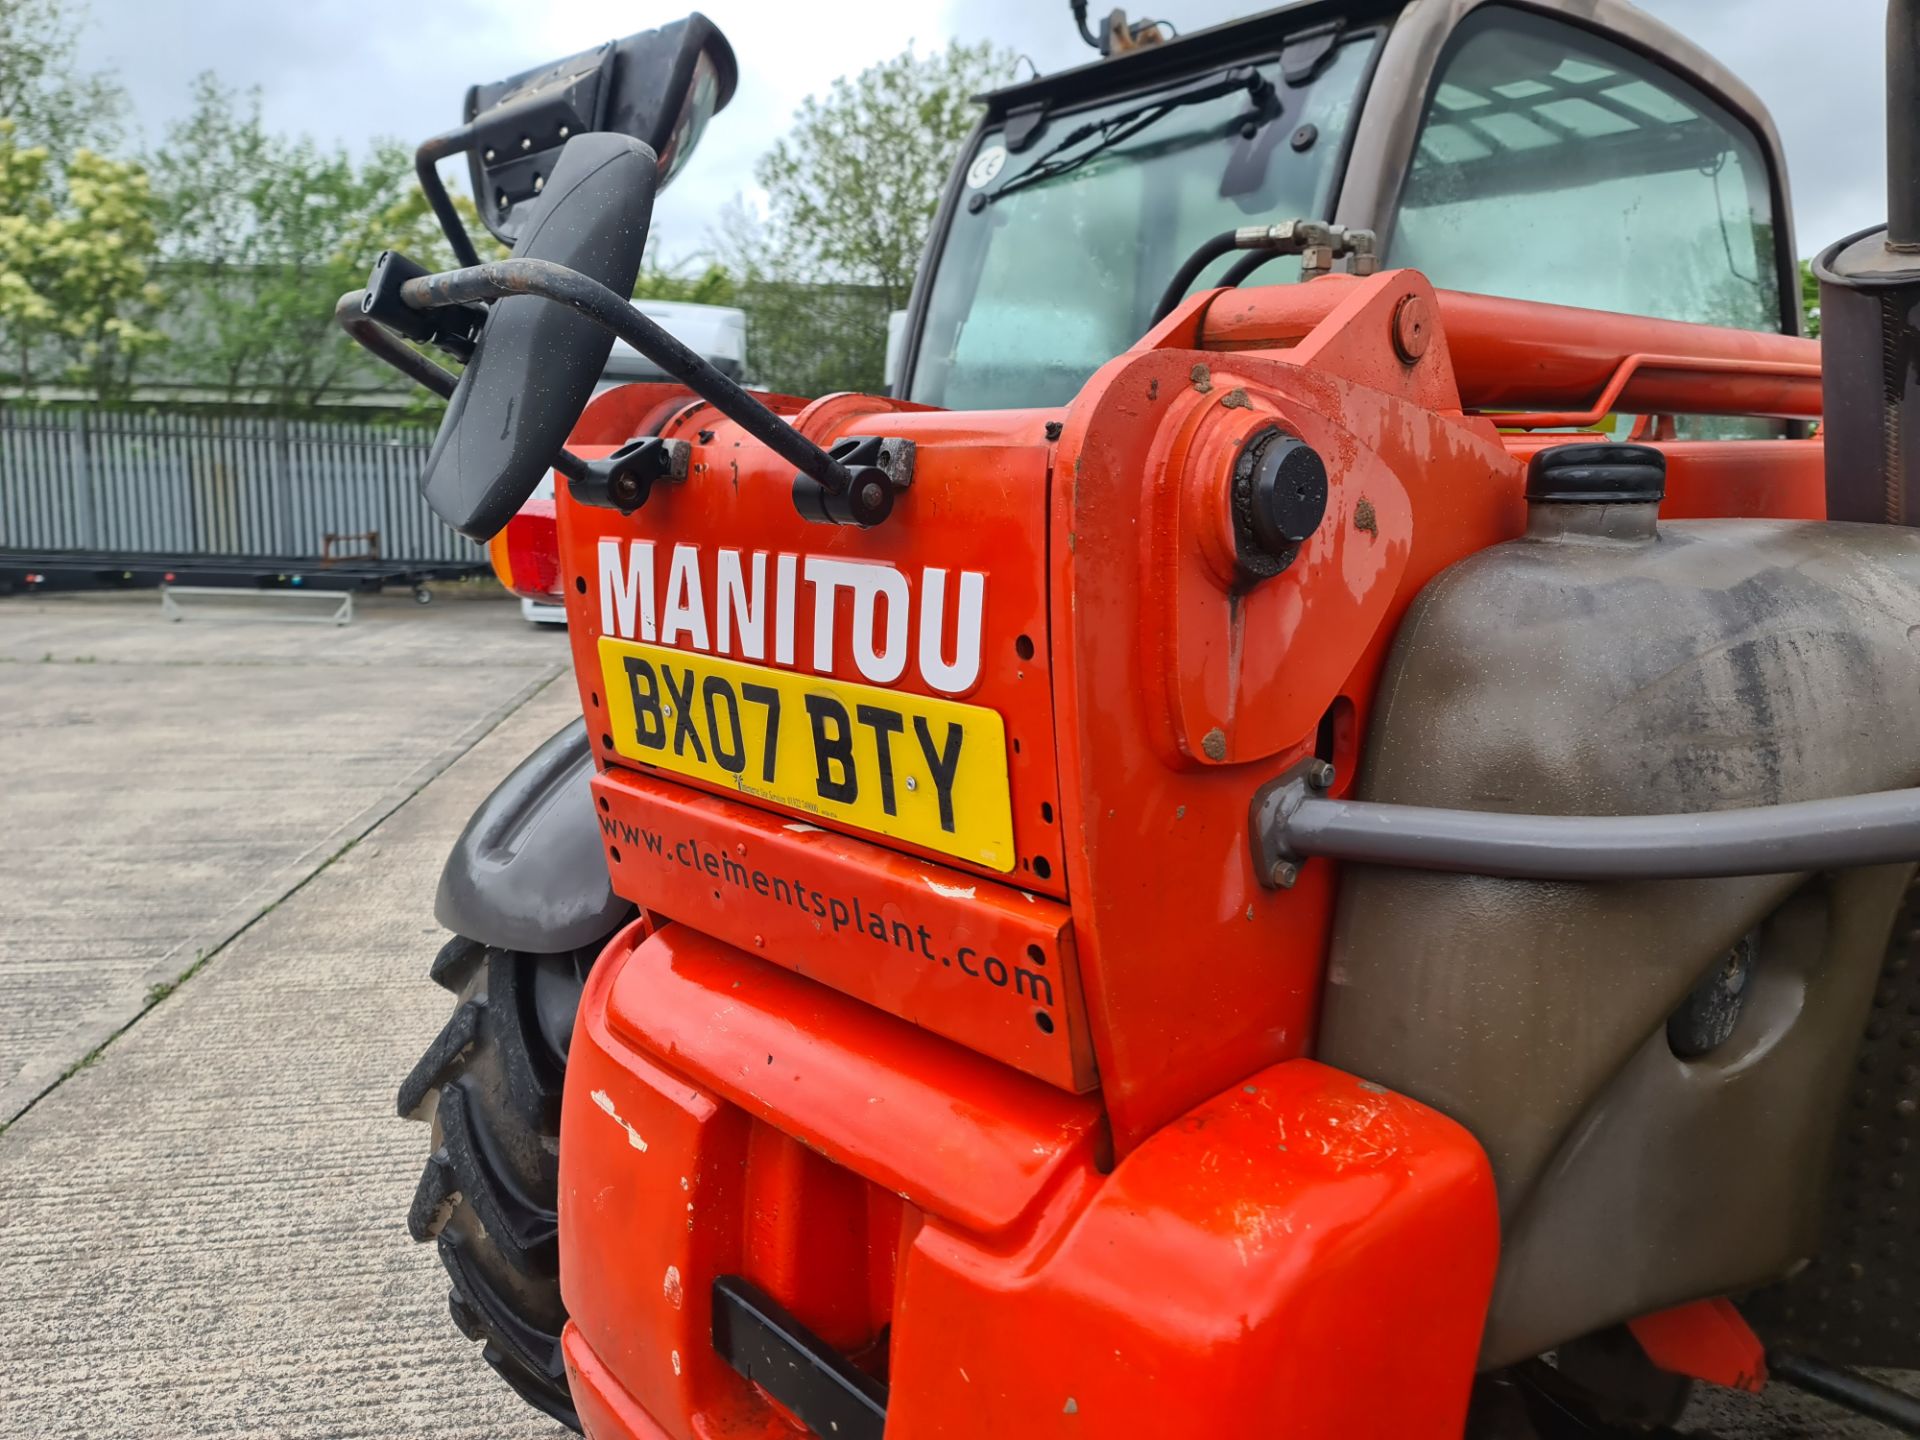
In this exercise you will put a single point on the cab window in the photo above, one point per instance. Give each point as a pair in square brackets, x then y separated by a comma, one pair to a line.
[1036, 289]
[1553, 165]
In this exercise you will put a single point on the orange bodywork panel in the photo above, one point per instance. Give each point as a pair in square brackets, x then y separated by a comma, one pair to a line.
[1705, 1340]
[992, 1062]
[985, 965]
[1305, 1244]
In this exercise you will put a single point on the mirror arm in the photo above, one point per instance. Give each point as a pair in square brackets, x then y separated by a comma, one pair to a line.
[500, 278]
[829, 490]
[351, 314]
[426, 161]
[572, 466]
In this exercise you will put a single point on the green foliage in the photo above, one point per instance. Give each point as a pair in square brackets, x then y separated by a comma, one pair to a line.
[249, 237]
[104, 247]
[42, 91]
[851, 193]
[811, 340]
[853, 185]
[77, 244]
[1809, 299]
[77, 229]
[27, 208]
[264, 235]
[714, 285]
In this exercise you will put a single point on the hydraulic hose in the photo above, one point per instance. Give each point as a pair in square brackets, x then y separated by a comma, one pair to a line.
[1079, 8]
[1856, 1392]
[1207, 252]
[1289, 237]
[1241, 269]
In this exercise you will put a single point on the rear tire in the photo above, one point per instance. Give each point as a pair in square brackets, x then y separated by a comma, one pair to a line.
[490, 1086]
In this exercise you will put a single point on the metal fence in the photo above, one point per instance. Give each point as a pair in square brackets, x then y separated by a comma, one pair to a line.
[200, 484]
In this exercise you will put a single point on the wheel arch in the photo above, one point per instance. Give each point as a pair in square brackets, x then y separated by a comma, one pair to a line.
[528, 872]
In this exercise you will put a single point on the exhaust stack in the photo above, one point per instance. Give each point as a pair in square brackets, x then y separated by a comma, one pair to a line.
[1870, 319]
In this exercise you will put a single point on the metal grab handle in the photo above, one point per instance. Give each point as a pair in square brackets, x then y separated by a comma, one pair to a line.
[1292, 820]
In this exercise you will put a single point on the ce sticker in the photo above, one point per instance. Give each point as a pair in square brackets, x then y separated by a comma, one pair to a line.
[987, 164]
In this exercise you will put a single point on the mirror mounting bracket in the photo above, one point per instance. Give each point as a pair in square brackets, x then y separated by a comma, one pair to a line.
[625, 479]
[877, 469]
[454, 329]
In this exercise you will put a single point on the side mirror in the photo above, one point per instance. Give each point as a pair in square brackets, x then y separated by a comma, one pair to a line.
[534, 363]
[660, 87]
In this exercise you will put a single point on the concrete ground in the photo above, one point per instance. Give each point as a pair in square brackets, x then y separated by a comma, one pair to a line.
[202, 1228]
[203, 1186]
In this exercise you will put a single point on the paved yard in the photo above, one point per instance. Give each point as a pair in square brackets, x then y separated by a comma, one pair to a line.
[202, 1231]
[228, 759]
[202, 1223]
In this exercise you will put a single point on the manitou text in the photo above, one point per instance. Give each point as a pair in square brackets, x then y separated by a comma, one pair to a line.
[788, 609]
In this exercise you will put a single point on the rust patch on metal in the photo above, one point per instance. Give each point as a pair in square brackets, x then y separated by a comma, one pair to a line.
[1202, 379]
[1214, 744]
[1364, 518]
[1236, 399]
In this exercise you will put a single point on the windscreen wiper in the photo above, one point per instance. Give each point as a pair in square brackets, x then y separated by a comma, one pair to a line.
[1128, 123]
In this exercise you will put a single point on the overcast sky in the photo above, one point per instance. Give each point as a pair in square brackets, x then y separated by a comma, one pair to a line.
[348, 70]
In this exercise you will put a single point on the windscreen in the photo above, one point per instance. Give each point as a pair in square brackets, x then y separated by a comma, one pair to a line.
[1038, 287]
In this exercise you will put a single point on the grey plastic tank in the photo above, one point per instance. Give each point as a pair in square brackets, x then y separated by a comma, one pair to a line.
[1655, 1068]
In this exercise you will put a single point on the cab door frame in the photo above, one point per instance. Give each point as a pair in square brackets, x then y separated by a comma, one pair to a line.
[1408, 68]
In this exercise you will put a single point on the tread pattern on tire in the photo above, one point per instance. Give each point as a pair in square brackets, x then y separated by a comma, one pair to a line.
[489, 1084]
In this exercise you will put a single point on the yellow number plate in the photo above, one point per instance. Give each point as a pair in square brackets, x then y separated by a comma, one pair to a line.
[931, 772]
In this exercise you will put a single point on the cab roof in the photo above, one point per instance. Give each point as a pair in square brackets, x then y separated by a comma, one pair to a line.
[1151, 66]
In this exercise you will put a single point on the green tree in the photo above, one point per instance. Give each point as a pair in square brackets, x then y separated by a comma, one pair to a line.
[713, 284]
[1809, 299]
[851, 192]
[264, 234]
[853, 185]
[77, 232]
[51, 102]
[103, 294]
[77, 246]
[26, 216]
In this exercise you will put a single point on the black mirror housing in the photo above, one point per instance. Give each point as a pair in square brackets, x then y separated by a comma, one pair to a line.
[659, 87]
[534, 363]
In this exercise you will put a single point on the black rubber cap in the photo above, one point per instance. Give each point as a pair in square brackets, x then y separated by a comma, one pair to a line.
[1289, 492]
[1592, 473]
[1279, 500]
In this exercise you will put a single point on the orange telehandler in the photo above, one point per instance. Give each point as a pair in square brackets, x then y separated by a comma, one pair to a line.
[1308, 833]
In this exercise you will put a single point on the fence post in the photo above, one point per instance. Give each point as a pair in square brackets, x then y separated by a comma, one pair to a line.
[280, 468]
[86, 494]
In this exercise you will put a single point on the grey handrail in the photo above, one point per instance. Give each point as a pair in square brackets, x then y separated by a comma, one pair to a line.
[1292, 821]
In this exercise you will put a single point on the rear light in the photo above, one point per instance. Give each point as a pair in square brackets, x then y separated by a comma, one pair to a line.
[526, 554]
